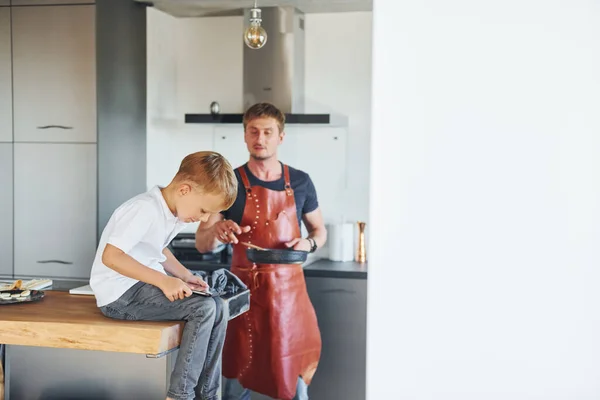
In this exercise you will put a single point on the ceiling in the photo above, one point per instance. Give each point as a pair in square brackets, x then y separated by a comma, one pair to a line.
[206, 8]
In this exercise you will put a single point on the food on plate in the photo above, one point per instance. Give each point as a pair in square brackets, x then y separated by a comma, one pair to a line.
[16, 285]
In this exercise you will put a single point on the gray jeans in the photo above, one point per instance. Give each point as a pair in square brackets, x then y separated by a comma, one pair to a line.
[233, 390]
[197, 372]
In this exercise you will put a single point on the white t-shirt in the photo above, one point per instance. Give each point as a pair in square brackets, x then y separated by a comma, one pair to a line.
[141, 227]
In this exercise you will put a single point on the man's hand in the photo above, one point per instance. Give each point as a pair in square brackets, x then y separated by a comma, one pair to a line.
[226, 230]
[196, 283]
[175, 288]
[299, 244]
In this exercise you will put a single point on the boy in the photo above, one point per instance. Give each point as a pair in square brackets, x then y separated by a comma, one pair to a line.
[129, 279]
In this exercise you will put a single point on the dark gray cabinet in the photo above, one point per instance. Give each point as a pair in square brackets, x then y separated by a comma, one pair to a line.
[49, 2]
[6, 209]
[6, 134]
[55, 209]
[71, 72]
[54, 73]
[341, 307]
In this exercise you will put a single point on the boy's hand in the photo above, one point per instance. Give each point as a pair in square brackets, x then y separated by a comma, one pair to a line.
[175, 288]
[196, 282]
[226, 230]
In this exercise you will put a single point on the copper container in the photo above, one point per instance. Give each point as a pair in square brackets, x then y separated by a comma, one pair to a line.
[361, 251]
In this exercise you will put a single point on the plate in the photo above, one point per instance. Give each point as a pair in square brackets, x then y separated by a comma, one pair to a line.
[34, 295]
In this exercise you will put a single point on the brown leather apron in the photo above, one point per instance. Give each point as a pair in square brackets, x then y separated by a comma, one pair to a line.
[278, 339]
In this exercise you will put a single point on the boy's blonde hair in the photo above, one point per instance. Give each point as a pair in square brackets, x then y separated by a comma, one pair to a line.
[211, 173]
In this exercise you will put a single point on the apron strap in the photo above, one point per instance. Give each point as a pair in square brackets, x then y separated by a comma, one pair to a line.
[244, 176]
[286, 176]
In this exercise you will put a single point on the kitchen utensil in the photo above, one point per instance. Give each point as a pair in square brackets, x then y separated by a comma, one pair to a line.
[276, 256]
[361, 252]
[252, 246]
[340, 241]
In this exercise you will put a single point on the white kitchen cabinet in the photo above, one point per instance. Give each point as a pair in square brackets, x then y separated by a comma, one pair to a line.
[311, 149]
[229, 141]
[322, 153]
[341, 308]
[319, 151]
[54, 73]
[55, 209]
[6, 209]
[49, 2]
[6, 134]
[170, 143]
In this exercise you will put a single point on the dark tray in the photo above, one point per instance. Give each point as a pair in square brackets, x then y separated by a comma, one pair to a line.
[276, 256]
[238, 303]
[34, 295]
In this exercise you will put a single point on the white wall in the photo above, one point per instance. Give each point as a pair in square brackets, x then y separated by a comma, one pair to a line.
[338, 80]
[485, 232]
[200, 61]
[163, 112]
[209, 64]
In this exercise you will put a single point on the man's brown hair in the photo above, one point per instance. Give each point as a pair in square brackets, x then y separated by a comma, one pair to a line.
[210, 172]
[264, 110]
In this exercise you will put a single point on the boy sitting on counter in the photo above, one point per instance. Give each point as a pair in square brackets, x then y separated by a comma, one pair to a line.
[129, 274]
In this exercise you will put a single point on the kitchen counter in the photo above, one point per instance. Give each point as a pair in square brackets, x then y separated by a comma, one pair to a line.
[320, 268]
[62, 347]
[69, 321]
[337, 290]
[333, 269]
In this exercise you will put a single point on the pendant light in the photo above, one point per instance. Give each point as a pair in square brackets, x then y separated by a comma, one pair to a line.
[255, 35]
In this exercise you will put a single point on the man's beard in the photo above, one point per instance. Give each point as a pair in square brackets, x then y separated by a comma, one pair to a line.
[260, 158]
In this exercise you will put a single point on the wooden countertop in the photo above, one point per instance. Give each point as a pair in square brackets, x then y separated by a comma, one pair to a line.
[71, 321]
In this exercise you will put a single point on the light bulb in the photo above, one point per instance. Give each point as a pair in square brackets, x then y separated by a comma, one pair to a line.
[255, 35]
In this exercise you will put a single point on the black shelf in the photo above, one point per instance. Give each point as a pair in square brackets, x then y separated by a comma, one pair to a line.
[237, 118]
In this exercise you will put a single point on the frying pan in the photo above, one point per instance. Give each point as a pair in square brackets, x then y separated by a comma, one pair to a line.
[259, 255]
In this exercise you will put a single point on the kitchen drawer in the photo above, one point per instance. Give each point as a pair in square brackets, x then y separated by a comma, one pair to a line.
[6, 134]
[49, 2]
[55, 209]
[6, 209]
[54, 73]
[341, 307]
[4, 2]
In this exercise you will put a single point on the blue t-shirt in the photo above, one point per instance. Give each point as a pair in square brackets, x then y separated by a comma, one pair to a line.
[304, 193]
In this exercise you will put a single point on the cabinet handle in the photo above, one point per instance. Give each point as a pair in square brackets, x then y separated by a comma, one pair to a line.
[54, 262]
[337, 291]
[55, 126]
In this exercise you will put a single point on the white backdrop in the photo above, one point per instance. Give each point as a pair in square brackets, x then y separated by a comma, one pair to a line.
[484, 278]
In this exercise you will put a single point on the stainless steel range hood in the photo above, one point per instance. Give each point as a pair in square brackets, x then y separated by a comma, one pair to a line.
[275, 73]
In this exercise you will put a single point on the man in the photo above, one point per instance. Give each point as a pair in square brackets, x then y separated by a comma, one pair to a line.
[274, 348]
